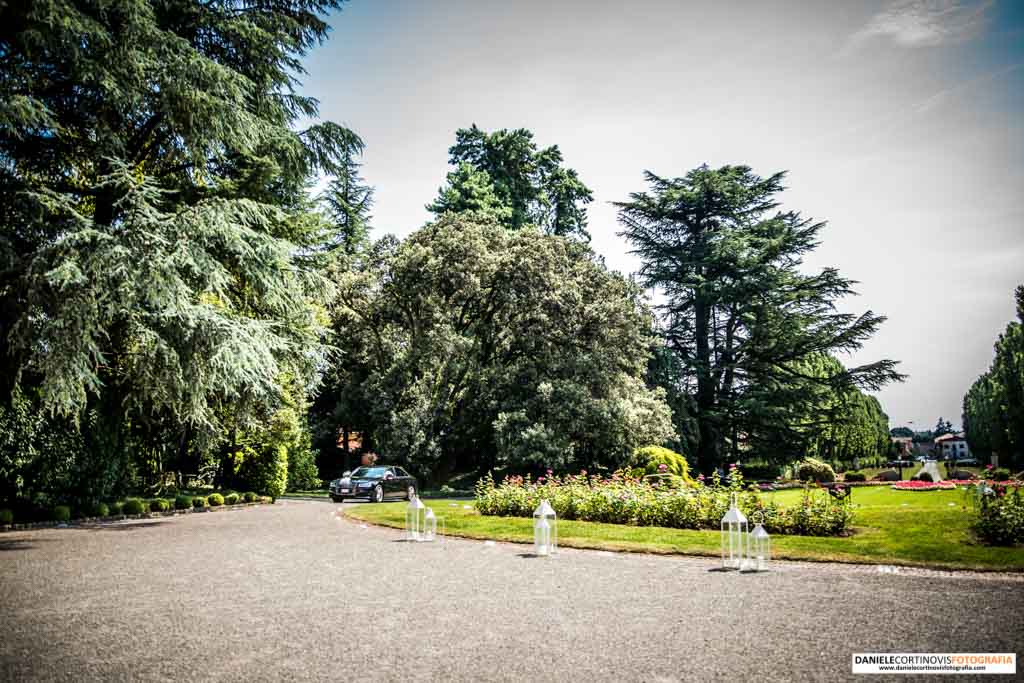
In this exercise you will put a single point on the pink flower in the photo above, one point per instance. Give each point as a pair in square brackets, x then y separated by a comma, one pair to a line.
[663, 468]
[732, 466]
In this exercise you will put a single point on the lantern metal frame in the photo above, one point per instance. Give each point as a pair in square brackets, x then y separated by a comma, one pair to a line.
[759, 547]
[735, 536]
[545, 530]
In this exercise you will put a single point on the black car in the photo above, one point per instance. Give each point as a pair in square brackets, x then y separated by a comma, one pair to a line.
[375, 484]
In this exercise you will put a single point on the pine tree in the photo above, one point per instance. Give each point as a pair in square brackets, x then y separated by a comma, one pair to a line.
[348, 200]
[737, 311]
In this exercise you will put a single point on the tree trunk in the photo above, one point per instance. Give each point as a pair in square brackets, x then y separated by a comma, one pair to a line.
[708, 446]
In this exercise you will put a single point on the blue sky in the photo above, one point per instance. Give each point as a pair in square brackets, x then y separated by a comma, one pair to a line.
[899, 123]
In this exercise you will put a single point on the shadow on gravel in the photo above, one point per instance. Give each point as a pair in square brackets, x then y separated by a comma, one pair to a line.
[118, 526]
[529, 556]
[16, 545]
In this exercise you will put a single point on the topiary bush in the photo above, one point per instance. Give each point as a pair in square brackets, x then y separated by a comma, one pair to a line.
[6, 516]
[133, 506]
[117, 508]
[924, 476]
[99, 510]
[658, 460]
[887, 475]
[215, 500]
[855, 475]
[1001, 474]
[962, 475]
[198, 502]
[158, 505]
[811, 469]
[61, 513]
[760, 472]
[231, 499]
[249, 497]
[182, 502]
[265, 470]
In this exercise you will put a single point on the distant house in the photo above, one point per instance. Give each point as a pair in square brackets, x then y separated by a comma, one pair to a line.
[904, 445]
[952, 446]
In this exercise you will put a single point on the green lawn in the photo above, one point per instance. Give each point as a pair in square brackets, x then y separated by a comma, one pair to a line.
[914, 528]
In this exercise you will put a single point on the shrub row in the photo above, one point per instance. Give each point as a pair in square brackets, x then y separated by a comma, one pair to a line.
[623, 499]
[136, 506]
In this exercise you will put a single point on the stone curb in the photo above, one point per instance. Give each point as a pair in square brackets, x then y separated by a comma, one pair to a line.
[28, 526]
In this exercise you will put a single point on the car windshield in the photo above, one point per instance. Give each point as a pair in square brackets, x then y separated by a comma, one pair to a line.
[370, 472]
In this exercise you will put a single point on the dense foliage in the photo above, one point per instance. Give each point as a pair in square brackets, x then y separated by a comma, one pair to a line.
[739, 314]
[1000, 515]
[623, 499]
[810, 469]
[157, 281]
[479, 347]
[993, 408]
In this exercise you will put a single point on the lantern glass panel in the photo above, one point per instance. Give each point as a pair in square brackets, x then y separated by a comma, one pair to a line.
[415, 519]
[734, 539]
[761, 548]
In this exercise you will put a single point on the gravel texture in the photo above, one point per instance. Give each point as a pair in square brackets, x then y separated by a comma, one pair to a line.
[290, 591]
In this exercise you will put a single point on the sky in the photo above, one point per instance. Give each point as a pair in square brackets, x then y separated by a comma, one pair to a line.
[899, 123]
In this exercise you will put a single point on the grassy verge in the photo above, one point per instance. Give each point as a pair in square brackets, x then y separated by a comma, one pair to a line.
[912, 528]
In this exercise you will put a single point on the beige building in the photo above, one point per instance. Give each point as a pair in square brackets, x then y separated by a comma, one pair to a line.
[950, 446]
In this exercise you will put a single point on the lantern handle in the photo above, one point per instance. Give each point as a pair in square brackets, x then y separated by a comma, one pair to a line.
[757, 517]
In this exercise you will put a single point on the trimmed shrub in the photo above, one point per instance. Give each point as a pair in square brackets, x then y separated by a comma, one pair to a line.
[231, 499]
[61, 513]
[182, 502]
[133, 506]
[198, 502]
[158, 505]
[265, 470]
[962, 475]
[6, 516]
[855, 475]
[1001, 474]
[658, 460]
[811, 469]
[215, 500]
[924, 476]
[249, 497]
[302, 472]
[760, 472]
[887, 475]
[98, 510]
[117, 508]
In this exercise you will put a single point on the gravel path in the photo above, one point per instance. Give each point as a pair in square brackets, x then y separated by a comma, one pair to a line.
[291, 592]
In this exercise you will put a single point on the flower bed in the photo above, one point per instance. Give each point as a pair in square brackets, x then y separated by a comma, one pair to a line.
[623, 499]
[918, 485]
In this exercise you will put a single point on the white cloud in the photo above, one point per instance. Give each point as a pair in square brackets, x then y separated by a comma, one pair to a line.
[925, 23]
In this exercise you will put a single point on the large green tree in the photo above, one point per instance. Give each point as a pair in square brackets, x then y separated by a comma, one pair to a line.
[531, 185]
[484, 347]
[993, 408]
[154, 220]
[737, 310]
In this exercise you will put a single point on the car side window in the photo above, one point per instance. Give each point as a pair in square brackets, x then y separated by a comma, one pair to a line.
[400, 472]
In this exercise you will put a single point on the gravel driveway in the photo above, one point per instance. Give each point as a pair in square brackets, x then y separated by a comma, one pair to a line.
[291, 592]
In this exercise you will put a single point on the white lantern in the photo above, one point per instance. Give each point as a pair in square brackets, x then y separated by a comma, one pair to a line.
[734, 536]
[545, 530]
[760, 547]
[415, 519]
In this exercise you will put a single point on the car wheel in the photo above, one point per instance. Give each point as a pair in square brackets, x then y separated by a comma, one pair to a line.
[410, 492]
[378, 494]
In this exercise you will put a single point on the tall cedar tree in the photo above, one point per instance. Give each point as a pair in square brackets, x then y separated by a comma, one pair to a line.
[737, 311]
[531, 184]
[154, 214]
[993, 408]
